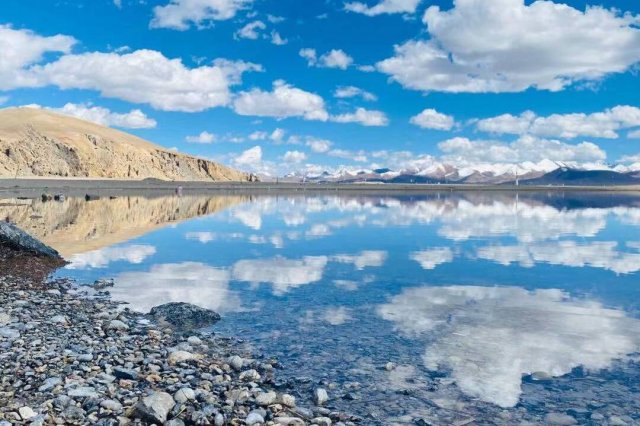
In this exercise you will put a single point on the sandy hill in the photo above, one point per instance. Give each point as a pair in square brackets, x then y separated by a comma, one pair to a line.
[38, 142]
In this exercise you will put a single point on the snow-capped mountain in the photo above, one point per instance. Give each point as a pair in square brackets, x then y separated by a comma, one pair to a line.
[525, 172]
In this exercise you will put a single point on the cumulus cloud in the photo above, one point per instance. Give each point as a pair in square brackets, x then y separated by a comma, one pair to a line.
[432, 119]
[526, 148]
[134, 253]
[635, 134]
[294, 157]
[473, 333]
[600, 124]
[134, 119]
[252, 158]
[509, 46]
[363, 116]
[251, 31]
[335, 58]
[170, 87]
[204, 137]
[383, 7]
[283, 274]
[352, 92]
[277, 39]
[181, 14]
[21, 48]
[283, 101]
[319, 145]
[188, 282]
[429, 259]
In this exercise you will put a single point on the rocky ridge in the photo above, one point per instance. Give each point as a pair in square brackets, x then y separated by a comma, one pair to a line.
[40, 143]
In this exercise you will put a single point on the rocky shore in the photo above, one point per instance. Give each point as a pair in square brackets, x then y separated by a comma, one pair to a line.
[70, 355]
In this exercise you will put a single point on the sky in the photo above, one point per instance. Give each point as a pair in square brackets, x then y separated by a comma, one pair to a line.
[275, 86]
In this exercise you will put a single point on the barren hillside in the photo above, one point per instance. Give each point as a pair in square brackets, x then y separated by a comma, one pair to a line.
[37, 142]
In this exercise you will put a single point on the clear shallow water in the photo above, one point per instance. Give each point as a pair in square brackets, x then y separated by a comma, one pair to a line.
[466, 294]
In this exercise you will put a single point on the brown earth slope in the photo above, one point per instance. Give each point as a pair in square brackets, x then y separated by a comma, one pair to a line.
[41, 143]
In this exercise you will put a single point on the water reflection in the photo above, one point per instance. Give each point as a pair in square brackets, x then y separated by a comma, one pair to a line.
[490, 337]
[475, 288]
[189, 282]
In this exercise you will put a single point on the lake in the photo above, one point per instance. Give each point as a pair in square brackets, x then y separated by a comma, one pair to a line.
[435, 308]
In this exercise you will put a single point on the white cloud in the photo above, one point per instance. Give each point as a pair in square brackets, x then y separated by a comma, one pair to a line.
[134, 119]
[472, 332]
[635, 134]
[188, 282]
[600, 124]
[429, 259]
[251, 30]
[181, 14]
[118, 3]
[352, 92]
[277, 135]
[509, 46]
[277, 39]
[294, 157]
[335, 58]
[432, 119]
[383, 7]
[283, 274]
[359, 156]
[134, 253]
[276, 19]
[319, 145]
[283, 101]
[203, 237]
[526, 148]
[21, 48]
[146, 76]
[363, 116]
[252, 157]
[204, 137]
[258, 136]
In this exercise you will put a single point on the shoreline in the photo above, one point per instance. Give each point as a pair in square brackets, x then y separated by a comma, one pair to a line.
[106, 187]
[70, 354]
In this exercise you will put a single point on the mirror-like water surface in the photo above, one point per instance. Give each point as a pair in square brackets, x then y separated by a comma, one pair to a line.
[446, 307]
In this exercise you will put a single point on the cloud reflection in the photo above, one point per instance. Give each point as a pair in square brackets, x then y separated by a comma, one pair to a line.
[489, 337]
[188, 282]
[134, 253]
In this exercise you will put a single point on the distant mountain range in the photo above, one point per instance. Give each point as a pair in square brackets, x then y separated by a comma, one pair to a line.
[545, 172]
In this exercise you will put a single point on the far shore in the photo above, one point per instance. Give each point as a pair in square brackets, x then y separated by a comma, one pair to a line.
[106, 187]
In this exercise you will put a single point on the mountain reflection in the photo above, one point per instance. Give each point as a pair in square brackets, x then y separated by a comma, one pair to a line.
[77, 226]
[489, 337]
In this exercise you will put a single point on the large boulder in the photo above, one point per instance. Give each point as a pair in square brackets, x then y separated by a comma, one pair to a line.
[18, 240]
[184, 316]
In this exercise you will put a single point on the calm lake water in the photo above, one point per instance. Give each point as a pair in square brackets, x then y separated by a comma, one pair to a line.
[450, 308]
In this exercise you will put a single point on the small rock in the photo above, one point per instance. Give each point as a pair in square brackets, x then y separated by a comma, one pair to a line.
[250, 376]
[26, 413]
[176, 357]
[125, 373]
[320, 396]
[322, 421]
[266, 398]
[183, 395]
[117, 325]
[235, 362]
[50, 383]
[194, 340]
[254, 418]
[154, 408]
[288, 400]
[560, 419]
[83, 392]
[111, 404]
[58, 319]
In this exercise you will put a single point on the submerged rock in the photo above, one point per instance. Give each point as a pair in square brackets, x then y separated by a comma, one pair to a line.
[184, 316]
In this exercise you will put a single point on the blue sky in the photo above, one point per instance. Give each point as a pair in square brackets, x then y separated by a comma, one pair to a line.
[238, 70]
